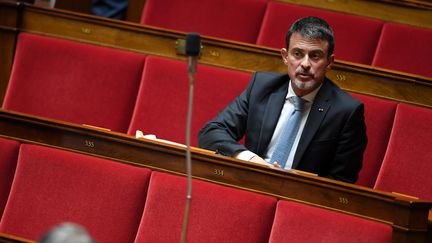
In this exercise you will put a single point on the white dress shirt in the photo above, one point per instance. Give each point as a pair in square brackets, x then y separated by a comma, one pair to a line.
[287, 110]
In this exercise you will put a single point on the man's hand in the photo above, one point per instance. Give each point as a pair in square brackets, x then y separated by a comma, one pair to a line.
[261, 161]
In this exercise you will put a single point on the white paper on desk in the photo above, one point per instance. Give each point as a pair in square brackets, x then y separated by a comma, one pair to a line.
[139, 134]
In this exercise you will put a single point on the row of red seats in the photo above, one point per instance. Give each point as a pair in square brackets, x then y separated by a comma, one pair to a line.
[117, 202]
[358, 39]
[109, 88]
[113, 89]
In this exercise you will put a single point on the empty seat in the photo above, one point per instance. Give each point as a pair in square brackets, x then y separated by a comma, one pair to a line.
[161, 107]
[405, 48]
[379, 115]
[74, 82]
[217, 213]
[237, 20]
[407, 166]
[52, 186]
[355, 37]
[296, 222]
[8, 161]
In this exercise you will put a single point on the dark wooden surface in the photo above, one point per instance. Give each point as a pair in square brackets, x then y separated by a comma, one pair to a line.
[408, 216]
[6, 238]
[9, 22]
[80, 6]
[134, 11]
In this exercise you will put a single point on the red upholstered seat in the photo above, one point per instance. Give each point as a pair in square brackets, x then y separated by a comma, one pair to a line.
[74, 82]
[217, 213]
[407, 166]
[405, 48]
[355, 37]
[52, 186]
[8, 160]
[295, 222]
[161, 107]
[237, 20]
[379, 115]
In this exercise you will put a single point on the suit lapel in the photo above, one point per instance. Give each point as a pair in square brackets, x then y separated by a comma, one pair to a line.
[270, 117]
[319, 109]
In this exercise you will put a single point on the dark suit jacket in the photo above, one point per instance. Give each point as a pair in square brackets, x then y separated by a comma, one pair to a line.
[333, 139]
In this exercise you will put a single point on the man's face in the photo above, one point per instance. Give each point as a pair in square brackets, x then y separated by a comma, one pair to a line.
[307, 62]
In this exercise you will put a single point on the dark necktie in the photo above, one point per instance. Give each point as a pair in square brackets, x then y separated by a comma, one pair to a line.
[289, 133]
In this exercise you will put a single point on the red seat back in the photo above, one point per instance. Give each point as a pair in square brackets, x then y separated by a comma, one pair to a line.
[379, 115]
[237, 20]
[295, 222]
[405, 48]
[52, 186]
[74, 82]
[217, 213]
[350, 45]
[161, 107]
[407, 166]
[8, 161]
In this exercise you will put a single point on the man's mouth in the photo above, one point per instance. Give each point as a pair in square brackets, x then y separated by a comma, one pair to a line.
[305, 75]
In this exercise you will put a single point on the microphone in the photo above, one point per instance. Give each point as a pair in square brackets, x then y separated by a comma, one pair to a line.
[193, 48]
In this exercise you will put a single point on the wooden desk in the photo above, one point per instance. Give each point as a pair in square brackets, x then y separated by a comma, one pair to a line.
[15, 18]
[5, 238]
[408, 216]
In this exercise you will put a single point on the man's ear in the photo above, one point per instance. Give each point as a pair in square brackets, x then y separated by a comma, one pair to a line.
[331, 61]
[284, 54]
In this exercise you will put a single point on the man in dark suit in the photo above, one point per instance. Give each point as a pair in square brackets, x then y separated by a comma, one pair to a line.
[331, 137]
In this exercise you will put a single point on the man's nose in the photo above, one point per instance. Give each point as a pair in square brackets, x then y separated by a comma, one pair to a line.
[305, 64]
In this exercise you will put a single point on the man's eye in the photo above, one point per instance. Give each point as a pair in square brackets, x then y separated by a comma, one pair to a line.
[297, 54]
[315, 56]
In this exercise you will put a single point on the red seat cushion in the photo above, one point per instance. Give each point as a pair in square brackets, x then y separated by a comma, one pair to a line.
[74, 82]
[52, 186]
[161, 107]
[405, 48]
[350, 45]
[217, 213]
[237, 20]
[295, 222]
[379, 115]
[8, 161]
[407, 163]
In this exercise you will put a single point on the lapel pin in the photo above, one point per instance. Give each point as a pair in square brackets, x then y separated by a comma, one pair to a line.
[320, 109]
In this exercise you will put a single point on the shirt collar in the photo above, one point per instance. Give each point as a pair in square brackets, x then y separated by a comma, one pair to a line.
[309, 97]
